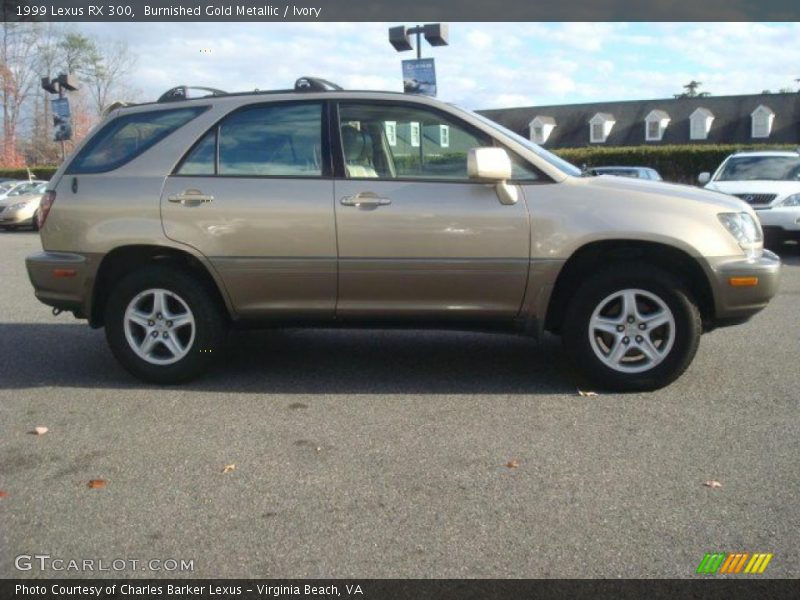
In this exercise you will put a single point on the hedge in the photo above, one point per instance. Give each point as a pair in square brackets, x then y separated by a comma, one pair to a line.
[675, 163]
[41, 172]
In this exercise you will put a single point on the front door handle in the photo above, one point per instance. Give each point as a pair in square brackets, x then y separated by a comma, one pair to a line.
[365, 200]
[191, 198]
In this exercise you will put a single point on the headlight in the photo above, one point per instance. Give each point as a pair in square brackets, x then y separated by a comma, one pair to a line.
[746, 231]
[18, 205]
[793, 200]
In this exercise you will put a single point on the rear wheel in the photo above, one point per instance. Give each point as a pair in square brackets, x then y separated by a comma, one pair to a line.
[632, 327]
[163, 325]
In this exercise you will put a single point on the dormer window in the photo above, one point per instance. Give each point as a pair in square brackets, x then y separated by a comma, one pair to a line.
[600, 127]
[540, 128]
[654, 125]
[700, 123]
[762, 119]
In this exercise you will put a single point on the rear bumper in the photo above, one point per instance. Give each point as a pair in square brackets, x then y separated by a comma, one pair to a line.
[63, 280]
[758, 282]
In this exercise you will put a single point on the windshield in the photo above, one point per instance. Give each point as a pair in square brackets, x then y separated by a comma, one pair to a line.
[25, 188]
[558, 163]
[762, 168]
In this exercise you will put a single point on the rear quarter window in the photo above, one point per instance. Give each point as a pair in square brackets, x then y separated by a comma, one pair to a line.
[126, 137]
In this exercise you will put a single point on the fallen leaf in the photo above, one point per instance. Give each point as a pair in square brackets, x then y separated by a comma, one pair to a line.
[97, 484]
[512, 464]
[585, 394]
[713, 483]
[39, 430]
[229, 468]
[3, 494]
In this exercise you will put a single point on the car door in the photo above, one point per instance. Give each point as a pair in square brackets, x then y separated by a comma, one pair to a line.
[255, 196]
[417, 238]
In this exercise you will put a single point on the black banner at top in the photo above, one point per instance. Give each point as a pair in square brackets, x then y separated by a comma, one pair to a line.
[400, 10]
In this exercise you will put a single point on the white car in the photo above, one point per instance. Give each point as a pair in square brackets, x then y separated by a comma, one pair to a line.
[769, 181]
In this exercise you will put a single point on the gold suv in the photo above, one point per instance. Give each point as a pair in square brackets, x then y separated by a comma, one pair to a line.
[317, 206]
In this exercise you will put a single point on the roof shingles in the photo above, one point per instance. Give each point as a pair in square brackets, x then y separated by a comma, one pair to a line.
[732, 120]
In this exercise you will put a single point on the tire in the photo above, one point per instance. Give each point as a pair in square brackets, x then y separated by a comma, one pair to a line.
[35, 221]
[188, 335]
[666, 316]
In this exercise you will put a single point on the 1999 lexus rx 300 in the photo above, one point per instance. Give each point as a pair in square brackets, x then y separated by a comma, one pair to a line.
[320, 206]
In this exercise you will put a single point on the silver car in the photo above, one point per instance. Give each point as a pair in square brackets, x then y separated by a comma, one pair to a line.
[22, 209]
[316, 206]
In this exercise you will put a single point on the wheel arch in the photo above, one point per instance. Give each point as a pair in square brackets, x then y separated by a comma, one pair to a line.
[593, 255]
[126, 259]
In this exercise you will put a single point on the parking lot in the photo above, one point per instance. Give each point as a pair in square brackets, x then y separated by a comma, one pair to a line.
[394, 454]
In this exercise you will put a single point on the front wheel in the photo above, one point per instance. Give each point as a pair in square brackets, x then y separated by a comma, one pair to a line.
[632, 327]
[163, 325]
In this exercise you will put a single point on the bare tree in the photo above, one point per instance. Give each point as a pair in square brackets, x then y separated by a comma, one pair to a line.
[18, 61]
[105, 72]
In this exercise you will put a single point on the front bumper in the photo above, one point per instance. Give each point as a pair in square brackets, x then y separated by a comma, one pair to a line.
[736, 303]
[786, 218]
[18, 217]
[63, 280]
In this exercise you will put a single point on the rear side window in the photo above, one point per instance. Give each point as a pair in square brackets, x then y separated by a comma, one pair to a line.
[275, 140]
[127, 136]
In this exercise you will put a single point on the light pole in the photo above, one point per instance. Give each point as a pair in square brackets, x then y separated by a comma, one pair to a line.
[61, 112]
[436, 34]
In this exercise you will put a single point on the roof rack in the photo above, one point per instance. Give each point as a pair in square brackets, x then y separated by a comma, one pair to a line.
[181, 92]
[315, 84]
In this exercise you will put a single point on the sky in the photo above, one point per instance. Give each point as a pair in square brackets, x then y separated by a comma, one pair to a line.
[486, 65]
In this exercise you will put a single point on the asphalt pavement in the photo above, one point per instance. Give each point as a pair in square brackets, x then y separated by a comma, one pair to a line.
[392, 454]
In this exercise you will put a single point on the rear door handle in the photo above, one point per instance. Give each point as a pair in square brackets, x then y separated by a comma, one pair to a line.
[366, 200]
[191, 198]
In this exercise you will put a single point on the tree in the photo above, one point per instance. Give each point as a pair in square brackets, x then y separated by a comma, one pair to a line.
[691, 90]
[17, 77]
[105, 72]
[76, 51]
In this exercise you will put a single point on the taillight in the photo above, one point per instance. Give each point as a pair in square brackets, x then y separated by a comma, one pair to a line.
[44, 207]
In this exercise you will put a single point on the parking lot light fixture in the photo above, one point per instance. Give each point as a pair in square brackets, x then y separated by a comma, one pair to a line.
[436, 34]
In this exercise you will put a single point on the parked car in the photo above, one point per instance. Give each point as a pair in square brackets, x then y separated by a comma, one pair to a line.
[635, 172]
[769, 181]
[22, 210]
[18, 188]
[317, 206]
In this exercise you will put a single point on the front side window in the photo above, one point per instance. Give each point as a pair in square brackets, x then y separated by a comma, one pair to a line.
[423, 144]
[272, 140]
[126, 137]
[202, 158]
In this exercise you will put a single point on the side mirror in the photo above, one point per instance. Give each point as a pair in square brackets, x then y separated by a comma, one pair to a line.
[493, 165]
[703, 178]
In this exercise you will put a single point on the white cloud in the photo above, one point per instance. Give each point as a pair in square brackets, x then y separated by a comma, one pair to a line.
[486, 65]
